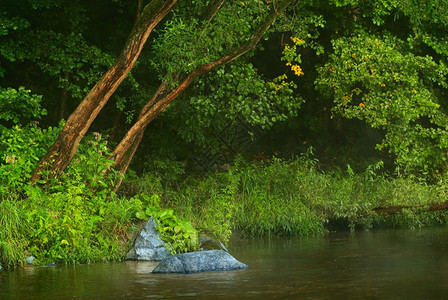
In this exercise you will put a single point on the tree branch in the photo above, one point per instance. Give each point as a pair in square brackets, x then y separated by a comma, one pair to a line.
[62, 151]
[128, 142]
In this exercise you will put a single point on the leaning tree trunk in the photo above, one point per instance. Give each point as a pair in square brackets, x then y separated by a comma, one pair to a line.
[123, 160]
[62, 151]
[123, 153]
[392, 210]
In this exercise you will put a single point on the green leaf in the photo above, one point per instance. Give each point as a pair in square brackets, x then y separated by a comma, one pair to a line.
[177, 229]
[140, 215]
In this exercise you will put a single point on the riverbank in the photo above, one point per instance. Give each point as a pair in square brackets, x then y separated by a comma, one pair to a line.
[69, 223]
[295, 198]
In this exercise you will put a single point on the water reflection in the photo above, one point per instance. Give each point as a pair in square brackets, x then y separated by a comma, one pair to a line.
[383, 264]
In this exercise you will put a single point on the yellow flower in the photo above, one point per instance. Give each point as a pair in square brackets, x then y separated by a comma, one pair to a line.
[297, 41]
[297, 70]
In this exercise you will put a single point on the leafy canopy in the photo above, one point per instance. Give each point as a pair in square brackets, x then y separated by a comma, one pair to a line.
[377, 79]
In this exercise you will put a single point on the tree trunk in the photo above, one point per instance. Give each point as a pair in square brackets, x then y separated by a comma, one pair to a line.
[391, 210]
[63, 150]
[125, 150]
[122, 161]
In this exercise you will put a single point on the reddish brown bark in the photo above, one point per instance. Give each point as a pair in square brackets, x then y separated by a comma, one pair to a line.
[123, 160]
[125, 150]
[391, 210]
[63, 150]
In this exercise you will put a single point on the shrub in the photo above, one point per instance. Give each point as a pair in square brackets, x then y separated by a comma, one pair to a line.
[20, 151]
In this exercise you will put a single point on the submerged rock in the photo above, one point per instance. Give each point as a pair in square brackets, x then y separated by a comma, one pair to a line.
[200, 261]
[148, 245]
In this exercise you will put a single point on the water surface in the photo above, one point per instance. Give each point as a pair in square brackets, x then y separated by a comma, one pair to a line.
[393, 264]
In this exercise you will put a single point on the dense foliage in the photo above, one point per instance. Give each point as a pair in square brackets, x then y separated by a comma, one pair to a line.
[372, 78]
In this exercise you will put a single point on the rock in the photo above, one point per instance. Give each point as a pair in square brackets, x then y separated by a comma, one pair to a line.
[1, 268]
[29, 260]
[207, 242]
[148, 245]
[200, 261]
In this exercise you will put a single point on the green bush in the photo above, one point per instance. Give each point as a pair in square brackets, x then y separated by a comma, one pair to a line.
[67, 227]
[20, 151]
[19, 105]
[71, 219]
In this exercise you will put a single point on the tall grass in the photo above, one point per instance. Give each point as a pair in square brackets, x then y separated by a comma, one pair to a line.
[12, 233]
[270, 202]
[294, 197]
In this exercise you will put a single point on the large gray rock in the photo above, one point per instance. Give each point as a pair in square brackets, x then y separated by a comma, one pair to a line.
[148, 245]
[201, 261]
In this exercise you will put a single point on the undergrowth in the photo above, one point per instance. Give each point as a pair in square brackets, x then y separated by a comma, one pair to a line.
[75, 218]
[293, 197]
[72, 219]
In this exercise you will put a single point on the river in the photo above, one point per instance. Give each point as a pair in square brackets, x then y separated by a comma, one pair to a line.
[386, 264]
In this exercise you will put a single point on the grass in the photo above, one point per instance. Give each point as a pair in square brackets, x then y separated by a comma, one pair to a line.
[12, 235]
[295, 198]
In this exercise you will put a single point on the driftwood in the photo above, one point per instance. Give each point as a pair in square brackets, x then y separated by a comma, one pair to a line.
[390, 210]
